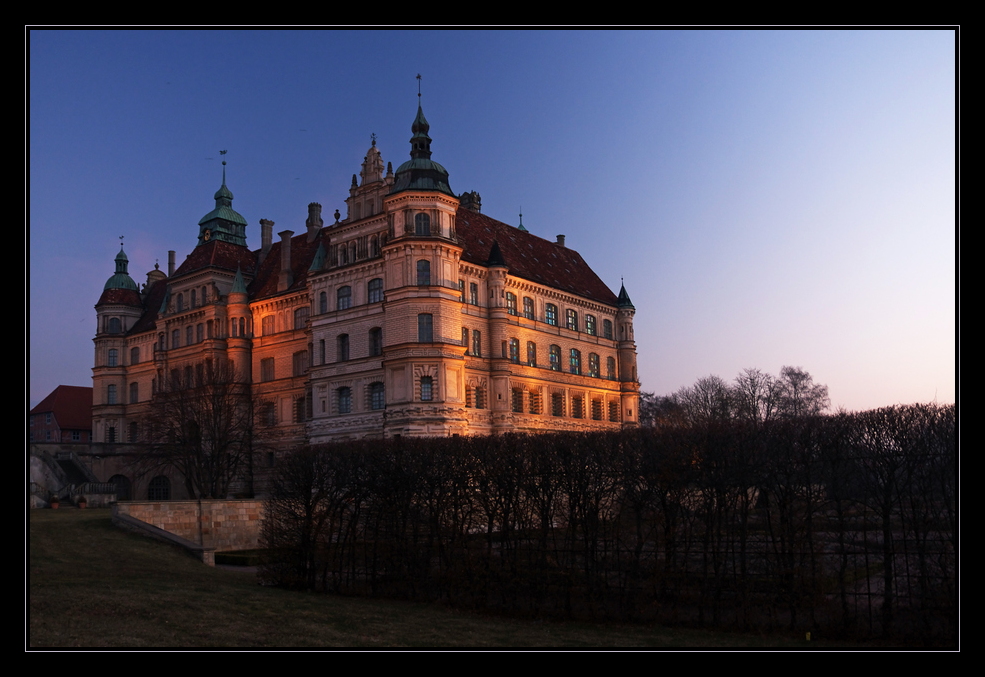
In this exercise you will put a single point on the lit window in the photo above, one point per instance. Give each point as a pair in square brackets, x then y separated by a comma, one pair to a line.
[427, 388]
[425, 328]
[375, 289]
[555, 352]
[593, 365]
[528, 307]
[575, 361]
[550, 314]
[514, 351]
[531, 354]
[572, 320]
[112, 361]
[590, 325]
[344, 297]
[423, 273]
[511, 303]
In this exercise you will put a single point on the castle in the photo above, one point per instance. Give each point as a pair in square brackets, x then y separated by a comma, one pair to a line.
[415, 315]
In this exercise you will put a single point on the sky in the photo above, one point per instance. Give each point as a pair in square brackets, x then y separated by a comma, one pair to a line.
[770, 198]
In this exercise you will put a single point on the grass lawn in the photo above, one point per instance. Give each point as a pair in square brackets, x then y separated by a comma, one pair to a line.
[92, 585]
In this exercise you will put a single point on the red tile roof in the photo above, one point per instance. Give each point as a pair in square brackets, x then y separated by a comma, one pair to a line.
[528, 256]
[302, 254]
[218, 254]
[71, 405]
[126, 297]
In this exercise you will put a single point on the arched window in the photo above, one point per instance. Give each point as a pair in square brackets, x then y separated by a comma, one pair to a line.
[511, 303]
[344, 298]
[175, 338]
[122, 485]
[180, 303]
[323, 302]
[301, 317]
[242, 326]
[422, 224]
[189, 335]
[194, 298]
[375, 342]
[427, 388]
[114, 325]
[607, 329]
[352, 251]
[377, 400]
[550, 314]
[555, 353]
[342, 352]
[528, 307]
[134, 355]
[531, 354]
[113, 358]
[423, 273]
[267, 325]
[575, 361]
[374, 246]
[514, 351]
[345, 400]
[200, 331]
[594, 367]
[610, 368]
[425, 328]
[134, 394]
[159, 489]
[375, 290]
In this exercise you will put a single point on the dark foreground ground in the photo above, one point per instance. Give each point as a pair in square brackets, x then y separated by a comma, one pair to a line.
[91, 585]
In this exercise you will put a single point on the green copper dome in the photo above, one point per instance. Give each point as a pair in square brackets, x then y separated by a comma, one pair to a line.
[223, 223]
[121, 279]
[421, 172]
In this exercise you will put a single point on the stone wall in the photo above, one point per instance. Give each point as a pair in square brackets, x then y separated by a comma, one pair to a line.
[218, 525]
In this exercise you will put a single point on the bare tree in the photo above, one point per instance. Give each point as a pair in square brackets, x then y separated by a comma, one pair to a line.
[708, 400]
[202, 425]
[756, 396]
[799, 395]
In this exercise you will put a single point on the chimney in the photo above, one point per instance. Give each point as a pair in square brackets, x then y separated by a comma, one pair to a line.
[314, 221]
[266, 238]
[560, 240]
[170, 263]
[286, 279]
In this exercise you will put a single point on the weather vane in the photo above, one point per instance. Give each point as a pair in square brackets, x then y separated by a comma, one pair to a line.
[373, 137]
[121, 242]
[223, 152]
[418, 85]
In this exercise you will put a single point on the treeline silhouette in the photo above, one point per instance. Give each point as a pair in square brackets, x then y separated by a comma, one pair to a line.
[842, 525]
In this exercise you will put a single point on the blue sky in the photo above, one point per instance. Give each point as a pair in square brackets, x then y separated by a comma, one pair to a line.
[770, 197]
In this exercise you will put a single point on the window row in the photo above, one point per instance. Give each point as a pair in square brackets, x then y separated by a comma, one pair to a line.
[238, 327]
[194, 297]
[532, 399]
[511, 351]
[375, 398]
[342, 346]
[354, 250]
[343, 296]
[113, 357]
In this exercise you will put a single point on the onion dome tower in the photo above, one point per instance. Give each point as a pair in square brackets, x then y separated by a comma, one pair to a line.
[223, 223]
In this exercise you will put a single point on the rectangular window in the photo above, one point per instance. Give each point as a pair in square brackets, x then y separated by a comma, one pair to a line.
[577, 407]
[423, 273]
[476, 343]
[557, 404]
[593, 365]
[134, 355]
[590, 325]
[514, 351]
[531, 354]
[575, 362]
[474, 293]
[555, 356]
[517, 401]
[301, 317]
[528, 307]
[113, 359]
[610, 368]
[300, 360]
[189, 335]
[267, 369]
[511, 303]
[427, 388]
[425, 328]
[343, 298]
[376, 396]
[76, 436]
[614, 412]
[133, 393]
[607, 329]
[461, 289]
[111, 394]
[342, 351]
[465, 339]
